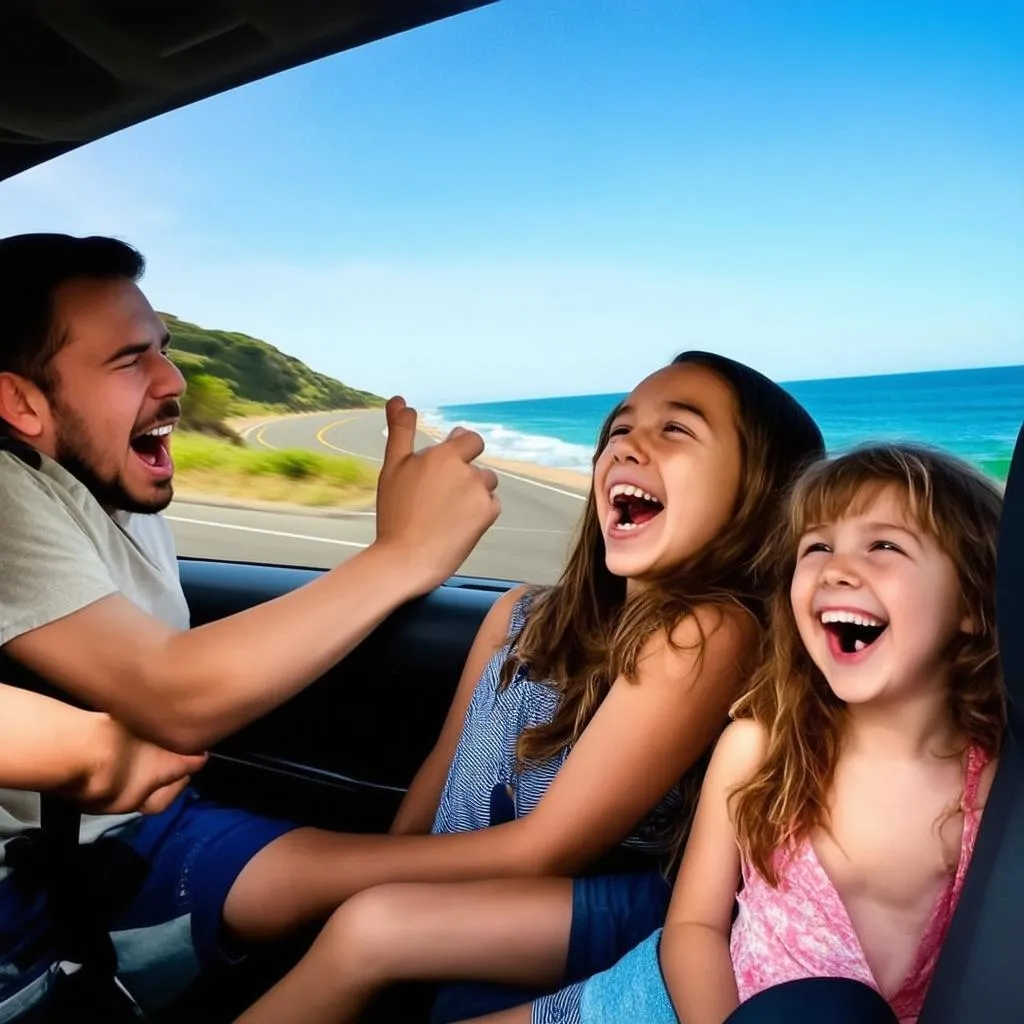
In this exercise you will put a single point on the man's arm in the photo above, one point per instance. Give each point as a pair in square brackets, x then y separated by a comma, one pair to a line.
[187, 689]
[48, 746]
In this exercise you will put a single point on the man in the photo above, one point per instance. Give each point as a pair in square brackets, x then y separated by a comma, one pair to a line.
[90, 600]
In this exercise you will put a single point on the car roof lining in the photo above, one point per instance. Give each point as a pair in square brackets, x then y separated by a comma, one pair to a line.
[72, 71]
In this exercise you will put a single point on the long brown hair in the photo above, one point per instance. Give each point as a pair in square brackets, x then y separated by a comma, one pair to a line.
[960, 509]
[582, 633]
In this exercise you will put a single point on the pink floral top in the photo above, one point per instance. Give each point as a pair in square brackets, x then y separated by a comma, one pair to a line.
[802, 930]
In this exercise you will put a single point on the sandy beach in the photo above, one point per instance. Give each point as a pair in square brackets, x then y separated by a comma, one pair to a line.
[567, 478]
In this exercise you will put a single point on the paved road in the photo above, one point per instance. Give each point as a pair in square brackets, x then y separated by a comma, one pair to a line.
[528, 542]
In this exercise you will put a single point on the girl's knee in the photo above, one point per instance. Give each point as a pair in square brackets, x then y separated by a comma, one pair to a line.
[365, 929]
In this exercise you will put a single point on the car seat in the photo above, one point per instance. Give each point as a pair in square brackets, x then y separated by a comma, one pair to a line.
[979, 976]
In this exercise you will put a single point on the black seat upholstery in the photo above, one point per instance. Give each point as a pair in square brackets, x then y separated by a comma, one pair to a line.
[980, 975]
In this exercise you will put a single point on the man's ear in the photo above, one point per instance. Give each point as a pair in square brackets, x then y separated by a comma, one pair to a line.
[23, 406]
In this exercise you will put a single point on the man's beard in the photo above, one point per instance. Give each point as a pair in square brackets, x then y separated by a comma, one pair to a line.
[76, 454]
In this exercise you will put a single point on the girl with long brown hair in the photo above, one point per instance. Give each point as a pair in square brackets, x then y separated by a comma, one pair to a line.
[585, 711]
[844, 801]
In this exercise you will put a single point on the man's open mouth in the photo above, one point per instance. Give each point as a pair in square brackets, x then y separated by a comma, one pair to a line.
[632, 506]
[152, 446]
[853, 631]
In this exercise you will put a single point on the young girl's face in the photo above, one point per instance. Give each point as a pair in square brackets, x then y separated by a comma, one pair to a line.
[667, 481]
[876, 601]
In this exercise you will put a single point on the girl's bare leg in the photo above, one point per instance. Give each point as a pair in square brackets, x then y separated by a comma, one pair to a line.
[517, 1015]
[513, 931]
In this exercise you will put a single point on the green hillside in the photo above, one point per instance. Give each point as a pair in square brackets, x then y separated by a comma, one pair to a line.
[233, 374]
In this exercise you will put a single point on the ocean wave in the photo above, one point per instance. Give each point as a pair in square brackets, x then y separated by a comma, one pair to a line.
[504, 443]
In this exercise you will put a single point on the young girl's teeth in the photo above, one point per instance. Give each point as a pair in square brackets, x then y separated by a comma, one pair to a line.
[859, 645]
[851, 617]
[631, 491]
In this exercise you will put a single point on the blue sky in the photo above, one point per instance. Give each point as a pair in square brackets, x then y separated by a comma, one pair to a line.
[544, 198]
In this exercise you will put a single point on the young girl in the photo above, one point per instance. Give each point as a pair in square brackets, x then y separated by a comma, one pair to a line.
[597, 696]
[848, 793]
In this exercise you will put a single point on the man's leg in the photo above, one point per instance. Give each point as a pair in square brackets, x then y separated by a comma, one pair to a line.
[29, 956]
[513, 931]
[173, 929]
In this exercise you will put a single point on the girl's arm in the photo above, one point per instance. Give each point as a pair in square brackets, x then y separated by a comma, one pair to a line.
[419, 806]
[644, 736]
[694, 951]
[49, 746]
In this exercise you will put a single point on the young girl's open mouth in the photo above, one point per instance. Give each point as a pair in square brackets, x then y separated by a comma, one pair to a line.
[152, 448]
[851, 633]
[632, 508]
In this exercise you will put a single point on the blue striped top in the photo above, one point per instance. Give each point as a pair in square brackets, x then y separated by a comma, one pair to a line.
[485, 786]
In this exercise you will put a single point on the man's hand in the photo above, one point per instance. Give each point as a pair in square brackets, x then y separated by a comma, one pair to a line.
[434, 505]
[130, 774]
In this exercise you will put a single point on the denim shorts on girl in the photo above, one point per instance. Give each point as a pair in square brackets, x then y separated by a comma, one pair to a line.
[634, 990]
[611, 914]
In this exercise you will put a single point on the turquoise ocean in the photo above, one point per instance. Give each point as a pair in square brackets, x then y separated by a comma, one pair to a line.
[974, 413]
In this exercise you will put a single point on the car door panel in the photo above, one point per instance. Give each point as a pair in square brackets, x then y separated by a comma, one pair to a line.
[341, 753]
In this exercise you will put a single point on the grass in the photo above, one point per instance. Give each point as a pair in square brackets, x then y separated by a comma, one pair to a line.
[242, 408]
[211, 466]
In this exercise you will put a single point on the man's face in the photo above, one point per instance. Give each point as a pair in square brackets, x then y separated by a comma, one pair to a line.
[116, 395]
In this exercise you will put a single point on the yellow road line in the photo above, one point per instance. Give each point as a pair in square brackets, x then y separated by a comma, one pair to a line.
[344, 451]
[259, 438]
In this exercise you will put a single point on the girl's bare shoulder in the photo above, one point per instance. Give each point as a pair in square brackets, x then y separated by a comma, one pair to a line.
[740, 751]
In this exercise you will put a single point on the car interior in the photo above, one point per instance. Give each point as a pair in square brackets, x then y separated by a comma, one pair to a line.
[336, 755]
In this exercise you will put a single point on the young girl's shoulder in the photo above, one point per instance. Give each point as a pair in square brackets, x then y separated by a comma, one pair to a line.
[739, 753]
[718, 630]
[502, 616]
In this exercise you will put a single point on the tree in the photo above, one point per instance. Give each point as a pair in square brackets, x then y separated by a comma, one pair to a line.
[206, 402]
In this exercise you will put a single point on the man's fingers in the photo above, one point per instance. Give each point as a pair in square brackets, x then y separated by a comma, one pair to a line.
[467, 443]
[401, 430]
[162, 798]
[187, 764]
[490, 478]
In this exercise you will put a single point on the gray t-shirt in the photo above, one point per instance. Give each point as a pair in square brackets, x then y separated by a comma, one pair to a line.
[60, 552]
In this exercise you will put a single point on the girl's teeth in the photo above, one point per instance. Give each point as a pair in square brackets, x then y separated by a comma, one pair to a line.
[851, 617]
[629, 490]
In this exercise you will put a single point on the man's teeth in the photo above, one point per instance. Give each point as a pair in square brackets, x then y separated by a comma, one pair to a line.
[629, 490]
[853, 618]
[159, 431]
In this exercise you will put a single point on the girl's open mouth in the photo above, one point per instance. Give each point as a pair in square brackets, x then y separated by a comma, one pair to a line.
[152, 448]
[632, 508]
[851, 632]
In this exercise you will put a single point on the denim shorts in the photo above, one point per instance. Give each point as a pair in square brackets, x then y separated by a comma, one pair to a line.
[610, 915]
[167, 930]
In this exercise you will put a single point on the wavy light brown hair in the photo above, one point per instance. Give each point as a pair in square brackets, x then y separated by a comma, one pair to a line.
[582, 633]
[960, 509]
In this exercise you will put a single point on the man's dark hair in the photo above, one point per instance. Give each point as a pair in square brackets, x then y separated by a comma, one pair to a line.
[32, 268]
